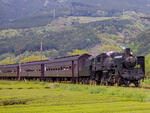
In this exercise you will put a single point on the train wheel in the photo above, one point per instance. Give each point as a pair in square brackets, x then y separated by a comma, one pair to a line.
[136, 83]
[118, 82]
[127, 83]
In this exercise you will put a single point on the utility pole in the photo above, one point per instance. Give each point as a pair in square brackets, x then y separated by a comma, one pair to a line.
[41, 50]
[42, 46]
[54, 13]
[19, 63]
[123, 12]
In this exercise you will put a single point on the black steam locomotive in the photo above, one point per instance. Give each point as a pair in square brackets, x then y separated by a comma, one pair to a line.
[121, 68]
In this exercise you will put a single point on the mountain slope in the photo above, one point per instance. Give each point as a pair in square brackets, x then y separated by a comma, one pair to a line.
[141, 44]
[18, 13]
[63, 35]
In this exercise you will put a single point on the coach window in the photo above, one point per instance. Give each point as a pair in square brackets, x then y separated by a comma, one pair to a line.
[67, 68]
[9, 71]
[60, 68]
[12, 71]
[70, 67]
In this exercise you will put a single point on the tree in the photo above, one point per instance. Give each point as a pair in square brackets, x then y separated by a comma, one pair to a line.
[78, 52]
[147, 65]
[106, 48]
[32, 58]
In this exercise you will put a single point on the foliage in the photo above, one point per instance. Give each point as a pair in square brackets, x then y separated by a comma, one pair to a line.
[7, 60]
[78, 52]
[33, 58]
[26, 57]
[141, 44]
[109, 33]
[39, 13]
[147, 65]
[62, 41]
[9, 33]
[107, 48]
[113, 91]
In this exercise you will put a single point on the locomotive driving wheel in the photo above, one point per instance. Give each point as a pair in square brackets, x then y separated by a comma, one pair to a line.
[112, 79]
[120, 81]
[92, 79]
[127, 83]
[123, 82]
[136, 83]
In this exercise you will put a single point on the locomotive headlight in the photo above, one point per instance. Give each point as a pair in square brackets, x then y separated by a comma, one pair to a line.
[131, 53]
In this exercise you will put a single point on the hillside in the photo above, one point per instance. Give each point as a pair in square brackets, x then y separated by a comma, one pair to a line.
[34, 13]
[62, 35]
[67, 25]
[141, 44]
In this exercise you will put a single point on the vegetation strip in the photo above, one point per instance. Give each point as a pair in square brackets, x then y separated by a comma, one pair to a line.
[37, 97]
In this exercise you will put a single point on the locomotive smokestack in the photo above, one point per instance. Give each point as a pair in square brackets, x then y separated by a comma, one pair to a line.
[127, 51]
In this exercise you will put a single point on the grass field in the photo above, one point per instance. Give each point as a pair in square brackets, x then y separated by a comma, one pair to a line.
[43, 97]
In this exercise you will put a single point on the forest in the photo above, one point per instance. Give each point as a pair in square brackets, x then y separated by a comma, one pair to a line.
[71, 27]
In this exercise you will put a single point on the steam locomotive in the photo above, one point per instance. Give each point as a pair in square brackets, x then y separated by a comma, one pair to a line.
[121, 68]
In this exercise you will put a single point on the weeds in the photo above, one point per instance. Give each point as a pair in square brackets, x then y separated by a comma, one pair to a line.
[132, 94]
[147, 81]
[13, 102]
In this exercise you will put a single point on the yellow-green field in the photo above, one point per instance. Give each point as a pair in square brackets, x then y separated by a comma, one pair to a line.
[43, 97]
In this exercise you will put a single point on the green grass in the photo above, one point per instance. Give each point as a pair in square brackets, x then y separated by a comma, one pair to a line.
[43, 97]
[146, 83]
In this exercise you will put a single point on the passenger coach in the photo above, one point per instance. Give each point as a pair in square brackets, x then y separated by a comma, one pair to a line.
[59, 69]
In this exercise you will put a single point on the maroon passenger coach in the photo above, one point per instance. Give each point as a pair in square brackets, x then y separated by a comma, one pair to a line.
[68, 68]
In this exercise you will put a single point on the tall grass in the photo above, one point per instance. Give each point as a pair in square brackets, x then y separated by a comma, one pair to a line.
[130, 93]
[147, 81]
